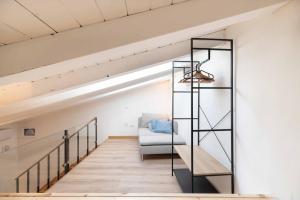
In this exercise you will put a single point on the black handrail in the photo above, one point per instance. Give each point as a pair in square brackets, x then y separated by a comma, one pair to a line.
[66, 163]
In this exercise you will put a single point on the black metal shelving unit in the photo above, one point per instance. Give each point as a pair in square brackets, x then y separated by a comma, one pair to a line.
[188, 180]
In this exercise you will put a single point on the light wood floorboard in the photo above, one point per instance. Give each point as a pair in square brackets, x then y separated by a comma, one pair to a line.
[116, 167]
[118, 196]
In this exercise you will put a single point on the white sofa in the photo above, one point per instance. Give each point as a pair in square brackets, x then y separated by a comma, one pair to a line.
[156, 143]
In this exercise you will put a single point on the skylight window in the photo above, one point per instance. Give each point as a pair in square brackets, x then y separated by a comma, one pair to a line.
[114, 81]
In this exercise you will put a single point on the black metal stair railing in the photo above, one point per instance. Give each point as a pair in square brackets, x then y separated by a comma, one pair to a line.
[65, 145]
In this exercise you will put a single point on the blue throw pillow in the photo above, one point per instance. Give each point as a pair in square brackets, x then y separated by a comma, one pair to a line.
[161, 126]
[152, 124]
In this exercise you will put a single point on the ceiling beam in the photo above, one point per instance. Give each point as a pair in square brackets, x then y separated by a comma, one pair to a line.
[138, 32]
[43, 82]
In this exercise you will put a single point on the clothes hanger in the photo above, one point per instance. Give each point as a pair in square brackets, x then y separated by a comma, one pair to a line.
[199, 76]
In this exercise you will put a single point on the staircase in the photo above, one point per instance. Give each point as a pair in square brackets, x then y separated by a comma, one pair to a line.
[41, 176]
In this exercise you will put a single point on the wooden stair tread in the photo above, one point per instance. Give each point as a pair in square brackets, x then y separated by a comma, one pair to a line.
[204, 163]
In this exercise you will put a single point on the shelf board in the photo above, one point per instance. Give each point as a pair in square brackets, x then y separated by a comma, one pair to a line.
[204, 163]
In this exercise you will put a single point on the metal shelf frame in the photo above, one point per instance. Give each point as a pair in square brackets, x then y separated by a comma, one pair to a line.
[197, 89]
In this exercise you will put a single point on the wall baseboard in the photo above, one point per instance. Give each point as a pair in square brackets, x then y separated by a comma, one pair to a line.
[123, 137]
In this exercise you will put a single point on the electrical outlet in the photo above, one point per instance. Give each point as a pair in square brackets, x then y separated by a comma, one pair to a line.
[5, 148]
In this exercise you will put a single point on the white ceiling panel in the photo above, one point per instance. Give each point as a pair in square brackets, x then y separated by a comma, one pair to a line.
[14, 15]
[84, 11]
[112, 9]
[137, 6]
[9, 35]
[160, 3]
[52, 12]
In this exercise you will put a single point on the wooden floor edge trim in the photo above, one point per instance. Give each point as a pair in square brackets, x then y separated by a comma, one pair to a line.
[123, 137]
[132, 195]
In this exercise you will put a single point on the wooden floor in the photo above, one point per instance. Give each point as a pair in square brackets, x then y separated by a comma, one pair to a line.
[116, 167]
[118, 196]
[114, 171]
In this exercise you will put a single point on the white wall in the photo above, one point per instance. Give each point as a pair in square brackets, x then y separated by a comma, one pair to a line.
[267, 103]
[117, 114]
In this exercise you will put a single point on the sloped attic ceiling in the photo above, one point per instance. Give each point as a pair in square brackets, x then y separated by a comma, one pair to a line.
[27, 19]
[49, 69]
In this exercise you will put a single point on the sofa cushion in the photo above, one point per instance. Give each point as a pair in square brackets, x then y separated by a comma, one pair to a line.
[147, 137]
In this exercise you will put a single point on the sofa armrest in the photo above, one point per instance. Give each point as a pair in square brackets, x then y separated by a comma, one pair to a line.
[140, 122]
